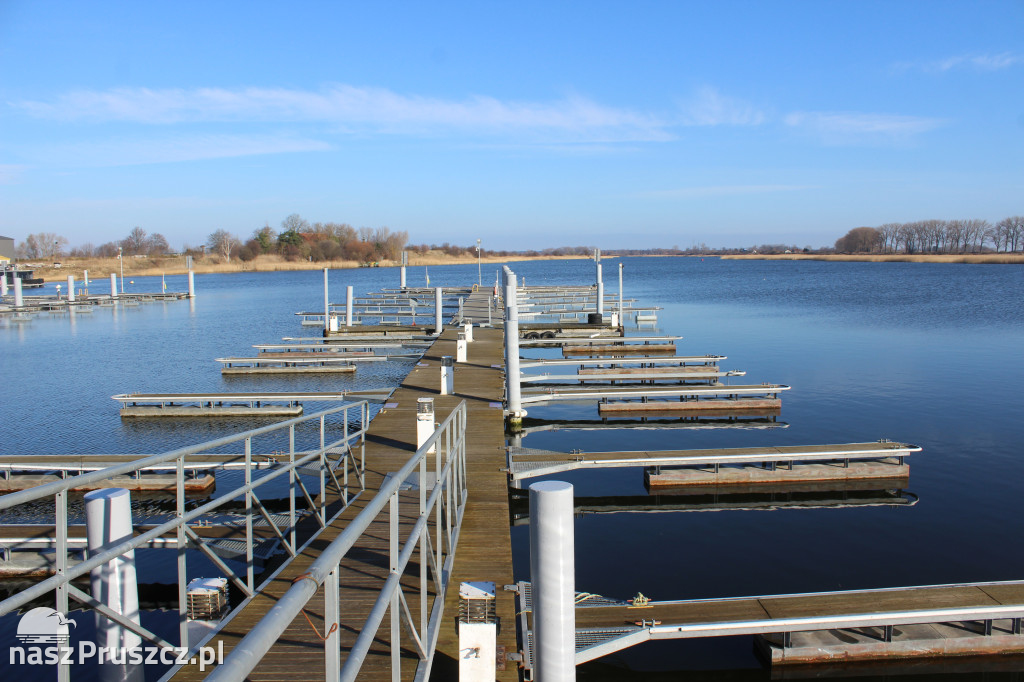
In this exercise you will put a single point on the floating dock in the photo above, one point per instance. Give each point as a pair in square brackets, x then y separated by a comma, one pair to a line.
[135, 405]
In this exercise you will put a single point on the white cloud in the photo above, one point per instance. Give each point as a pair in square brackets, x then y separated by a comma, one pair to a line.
[10, 174]
[843, 127]
[711, 108]
[130, 151]
[722, 190]
[979, 62]
[354, 109]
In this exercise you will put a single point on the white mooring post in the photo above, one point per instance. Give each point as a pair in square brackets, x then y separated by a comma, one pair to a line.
[191, 284]
[425, 423]
[447, 375]
[113, 285]
[513, 394]
[622, 309]
[460, 310]
[349, 302]
[108, 518]
[405, 261]
[85, 277]
[460, 348]
[553, 578]
[438, 323]
[327, 307]
[71, 288]
[478, 632]
[19, 300]
[3, 283]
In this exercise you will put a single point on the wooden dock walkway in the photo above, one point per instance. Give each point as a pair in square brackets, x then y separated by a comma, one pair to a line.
[484, 544]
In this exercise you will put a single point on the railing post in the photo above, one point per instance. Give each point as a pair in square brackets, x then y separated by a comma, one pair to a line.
[181, 551]
[396, 624]
[291, 486]
[424, 611]
[332, 618]
[250, 568]
[60, 504]
[323, 475]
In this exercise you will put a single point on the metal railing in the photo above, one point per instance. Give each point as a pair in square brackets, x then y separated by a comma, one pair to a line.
[344, 456]
[435, 534]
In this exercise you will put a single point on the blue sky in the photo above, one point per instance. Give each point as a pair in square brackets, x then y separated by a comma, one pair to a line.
[527, 125]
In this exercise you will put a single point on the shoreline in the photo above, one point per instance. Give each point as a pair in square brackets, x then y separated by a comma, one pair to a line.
[982, 258]
[100, 268]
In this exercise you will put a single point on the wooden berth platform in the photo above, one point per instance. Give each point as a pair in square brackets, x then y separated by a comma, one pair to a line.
[484, 544]
[925, 621]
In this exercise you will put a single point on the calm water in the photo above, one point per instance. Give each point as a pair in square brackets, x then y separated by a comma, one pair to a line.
[921, 353]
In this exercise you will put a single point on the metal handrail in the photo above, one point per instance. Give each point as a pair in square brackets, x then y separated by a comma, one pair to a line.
[58, 490]
[450, 491]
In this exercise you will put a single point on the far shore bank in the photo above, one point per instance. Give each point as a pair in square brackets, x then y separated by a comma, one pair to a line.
[991, 258]
[100, 268]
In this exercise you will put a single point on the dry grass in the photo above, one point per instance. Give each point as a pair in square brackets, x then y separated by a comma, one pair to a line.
[995, 258]
[100, 268]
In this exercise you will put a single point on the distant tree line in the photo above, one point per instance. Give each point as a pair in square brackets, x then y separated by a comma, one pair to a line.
[52, 246]
[936, 236]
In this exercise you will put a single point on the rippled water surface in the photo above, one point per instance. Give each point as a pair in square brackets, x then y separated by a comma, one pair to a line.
[929, 354]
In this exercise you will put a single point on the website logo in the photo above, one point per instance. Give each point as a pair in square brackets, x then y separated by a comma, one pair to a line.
[43, 626]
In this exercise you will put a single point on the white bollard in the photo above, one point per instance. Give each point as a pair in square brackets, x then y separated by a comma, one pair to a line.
[403, 276]
[3, 283]
[469, 332]
[191, 284]
[460, 348]
[349, 301]
[553, 578]
[438, 322]
[108, 517]
[425, 424]
[327, 308]
[71, 288]
[600, 298]
[447, 375]
[513, 393]
[85, 278]
[621, 304]
[19, 300]
[113, 285]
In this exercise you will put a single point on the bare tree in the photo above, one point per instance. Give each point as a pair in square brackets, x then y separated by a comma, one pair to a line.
[135, 243]
[223, 243]
[157, 245]
[294, 223]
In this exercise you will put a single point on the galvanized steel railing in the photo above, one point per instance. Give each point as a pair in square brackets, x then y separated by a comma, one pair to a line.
[445, 503]
[346, 454]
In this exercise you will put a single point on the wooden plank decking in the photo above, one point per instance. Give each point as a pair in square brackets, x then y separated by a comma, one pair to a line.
[484, 550]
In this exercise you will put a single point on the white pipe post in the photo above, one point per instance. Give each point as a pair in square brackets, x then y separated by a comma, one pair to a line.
[622, 309]
[438, 324]
[113, 285]
[85, 276]
[349, 303]
[512, 388]
[108, 518]
[460, 310]
[71, 288]
[447, 375]
[19, 300]
[553, 577]
[327, 307]
[425, 423]
[191, 284]
[405, 261]
[3, 282]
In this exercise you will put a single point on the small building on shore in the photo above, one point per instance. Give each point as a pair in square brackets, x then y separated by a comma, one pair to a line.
[6, 249]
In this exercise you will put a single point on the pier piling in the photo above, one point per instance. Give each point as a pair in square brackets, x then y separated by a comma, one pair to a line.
[108, 517]
[18, 298]
[553, 572]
